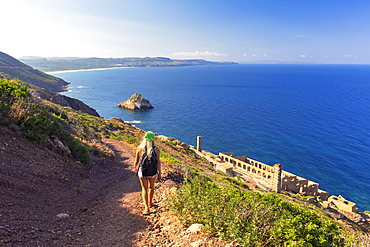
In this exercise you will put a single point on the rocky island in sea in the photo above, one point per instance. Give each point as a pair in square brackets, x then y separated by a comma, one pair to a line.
[136, 102]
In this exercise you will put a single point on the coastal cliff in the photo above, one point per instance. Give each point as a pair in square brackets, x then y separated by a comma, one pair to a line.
[65, 101]
[15, 68]
[40, 85]
[136, 102]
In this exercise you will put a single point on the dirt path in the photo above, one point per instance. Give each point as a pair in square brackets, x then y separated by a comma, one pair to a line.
[52, 200]
[121, 211]
[115, 218]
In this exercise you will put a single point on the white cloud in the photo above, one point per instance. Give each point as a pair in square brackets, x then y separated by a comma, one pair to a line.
[257, 55]
[303, 56]
[198, 54]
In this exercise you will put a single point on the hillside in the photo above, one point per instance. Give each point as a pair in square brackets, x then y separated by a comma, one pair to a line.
[15, 68]
[90, 195]
[40, 87]
[66, 63]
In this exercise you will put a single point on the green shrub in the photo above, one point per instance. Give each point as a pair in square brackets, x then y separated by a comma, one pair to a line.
[251, 218]
[4, 109]
[125, 136]
[39, 127]
[169, 158]
[12, 90]
[237, 183]
[37, 122]
[79, 151]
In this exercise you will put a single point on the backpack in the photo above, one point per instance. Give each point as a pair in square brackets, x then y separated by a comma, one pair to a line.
[148, 163]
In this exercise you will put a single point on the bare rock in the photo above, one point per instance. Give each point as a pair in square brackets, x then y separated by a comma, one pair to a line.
[55, 144]
[136, 102]
[63, 215]
[195, 228]
[232, 244]
[197, 243]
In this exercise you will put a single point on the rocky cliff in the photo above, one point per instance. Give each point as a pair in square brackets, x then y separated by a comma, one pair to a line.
[40, 84]
[65, 101]
[136, 102]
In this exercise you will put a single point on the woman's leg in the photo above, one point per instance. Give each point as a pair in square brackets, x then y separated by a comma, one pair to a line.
[144, 193]
[151, 190]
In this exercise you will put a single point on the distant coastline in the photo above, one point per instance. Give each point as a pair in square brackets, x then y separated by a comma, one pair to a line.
[72, 64]
[79, 70]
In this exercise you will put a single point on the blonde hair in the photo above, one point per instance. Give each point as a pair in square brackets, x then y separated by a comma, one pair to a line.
[146, 144]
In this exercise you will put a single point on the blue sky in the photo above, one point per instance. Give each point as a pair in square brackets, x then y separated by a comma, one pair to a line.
[230, 30]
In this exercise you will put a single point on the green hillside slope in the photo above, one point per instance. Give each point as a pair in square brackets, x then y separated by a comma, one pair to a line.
[16, 68]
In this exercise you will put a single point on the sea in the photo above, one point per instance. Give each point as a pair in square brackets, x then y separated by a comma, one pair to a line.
[313, 119]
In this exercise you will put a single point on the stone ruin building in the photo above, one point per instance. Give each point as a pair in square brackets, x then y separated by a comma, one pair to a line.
[273, 178]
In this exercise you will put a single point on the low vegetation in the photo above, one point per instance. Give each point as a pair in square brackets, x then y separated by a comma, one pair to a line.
[35, 121]
[252, 218]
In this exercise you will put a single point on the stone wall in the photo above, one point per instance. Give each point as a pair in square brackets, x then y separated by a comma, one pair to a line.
[274, 177]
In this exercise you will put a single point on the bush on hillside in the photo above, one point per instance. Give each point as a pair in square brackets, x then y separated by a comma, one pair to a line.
[251, 218]
[9, 92]
[36, 123]
[41, 125]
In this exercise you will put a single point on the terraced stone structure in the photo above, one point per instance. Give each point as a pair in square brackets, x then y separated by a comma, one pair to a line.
[273, 178]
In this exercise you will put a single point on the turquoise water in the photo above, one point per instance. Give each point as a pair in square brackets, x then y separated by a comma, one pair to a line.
[312, 119]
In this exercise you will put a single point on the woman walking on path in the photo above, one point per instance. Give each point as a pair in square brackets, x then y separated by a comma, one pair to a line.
[147, 149]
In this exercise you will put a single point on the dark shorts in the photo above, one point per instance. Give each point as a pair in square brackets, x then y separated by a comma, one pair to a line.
[140, 174]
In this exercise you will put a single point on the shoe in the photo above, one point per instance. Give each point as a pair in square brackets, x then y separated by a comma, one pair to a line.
[151, 204]
[146, 212]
